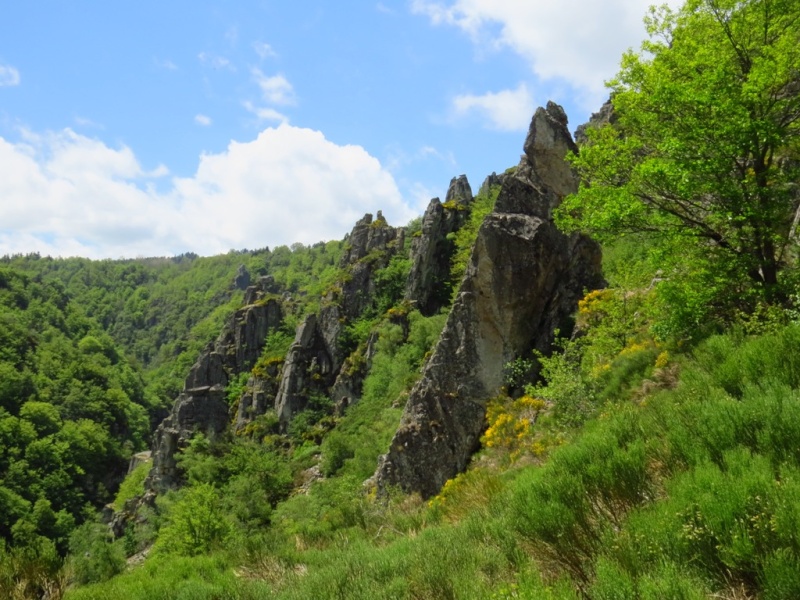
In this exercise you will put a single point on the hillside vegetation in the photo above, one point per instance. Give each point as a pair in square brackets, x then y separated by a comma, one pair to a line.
[654, 456]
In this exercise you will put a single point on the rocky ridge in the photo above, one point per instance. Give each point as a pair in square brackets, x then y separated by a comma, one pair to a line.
[428, 285]
[202, 406]
[523, 281]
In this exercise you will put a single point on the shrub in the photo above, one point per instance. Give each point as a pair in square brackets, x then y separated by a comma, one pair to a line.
[93, 556]
[195, 523]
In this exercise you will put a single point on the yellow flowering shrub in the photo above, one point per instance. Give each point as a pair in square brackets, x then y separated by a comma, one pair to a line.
[510, 423]
[595, 305]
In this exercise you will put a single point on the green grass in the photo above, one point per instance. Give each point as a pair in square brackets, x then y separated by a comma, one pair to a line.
[683, 493]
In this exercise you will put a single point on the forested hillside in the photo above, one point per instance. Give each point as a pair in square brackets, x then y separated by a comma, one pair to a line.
[469, 406]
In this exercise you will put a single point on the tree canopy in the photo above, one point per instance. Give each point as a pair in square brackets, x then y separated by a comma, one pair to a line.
[705, 149]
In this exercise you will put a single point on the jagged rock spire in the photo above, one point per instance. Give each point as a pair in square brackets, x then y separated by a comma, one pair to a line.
[523, 281]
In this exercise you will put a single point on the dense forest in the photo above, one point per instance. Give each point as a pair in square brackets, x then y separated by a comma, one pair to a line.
[647, 449]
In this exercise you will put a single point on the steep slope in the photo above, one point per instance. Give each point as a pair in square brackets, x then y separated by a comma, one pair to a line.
[201, 406]
[523, 281]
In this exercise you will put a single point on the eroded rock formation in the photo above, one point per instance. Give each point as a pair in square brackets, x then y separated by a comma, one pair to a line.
[202, 405]
[523, 280]
[314, 362]
[428, 286]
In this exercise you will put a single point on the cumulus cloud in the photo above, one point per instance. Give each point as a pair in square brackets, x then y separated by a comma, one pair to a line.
[203, 120]
[66, 194]
[275, 89]
[579, 42]
[507, 110]
[9, 76]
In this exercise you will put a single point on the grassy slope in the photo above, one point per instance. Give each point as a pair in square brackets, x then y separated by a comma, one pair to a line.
[634, 482]
[688, 492]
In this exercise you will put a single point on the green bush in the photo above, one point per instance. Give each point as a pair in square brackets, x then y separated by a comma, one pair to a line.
[196, 523]
[93, 556]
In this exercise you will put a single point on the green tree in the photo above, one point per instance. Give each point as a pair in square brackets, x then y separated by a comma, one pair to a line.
[705, 150]
[195, 523]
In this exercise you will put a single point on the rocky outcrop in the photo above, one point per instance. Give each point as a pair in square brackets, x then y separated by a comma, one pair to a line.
[523, 280]
[347, 388]
[259, 395]
[240, 343]
[602, 117]
[202, 409]
[368, 248]
[428, 286]
[491, 181]
[459, 191]
[368, 236]
[317, 355]
[202, 406]
[308, 368]
[242, 278]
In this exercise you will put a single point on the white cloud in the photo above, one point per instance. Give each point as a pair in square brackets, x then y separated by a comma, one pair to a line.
[507, 110]
[66, 194]
[9, 76]
[579, 42]
[264, 113]
[264, 50]
[382, 8]
[275, 89]
[215, 62]
[203, 120]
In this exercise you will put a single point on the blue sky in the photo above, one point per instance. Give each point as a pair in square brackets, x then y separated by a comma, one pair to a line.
[155, 128]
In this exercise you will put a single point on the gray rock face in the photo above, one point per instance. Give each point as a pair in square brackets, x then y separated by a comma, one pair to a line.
[523, 280]
[259, 395]
[347, 388]
[242, 278]
[201, 409]
[202, 406]
[242, 338]
[459, 191]
[370, 246]
[428, 285]
[308, 368]
[316, 356]
[602, 117]
[491, 181]
[368, 236]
